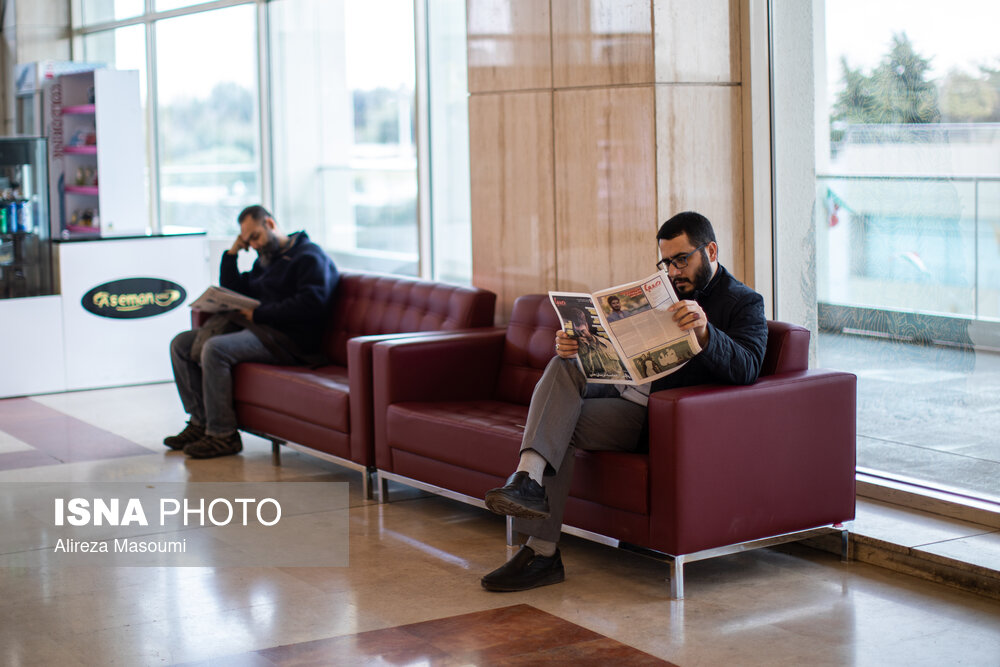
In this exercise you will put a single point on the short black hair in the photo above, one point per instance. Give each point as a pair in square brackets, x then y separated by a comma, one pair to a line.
[697, 227]
[614, 297]
[257, 212]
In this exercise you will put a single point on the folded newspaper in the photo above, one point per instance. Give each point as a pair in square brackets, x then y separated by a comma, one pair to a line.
[626, 334]
[220, 300]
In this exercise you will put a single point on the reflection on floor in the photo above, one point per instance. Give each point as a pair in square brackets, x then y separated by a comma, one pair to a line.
[924, 411]
[419, 559]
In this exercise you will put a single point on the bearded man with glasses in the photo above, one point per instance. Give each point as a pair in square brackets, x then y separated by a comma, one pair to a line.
[567, 413]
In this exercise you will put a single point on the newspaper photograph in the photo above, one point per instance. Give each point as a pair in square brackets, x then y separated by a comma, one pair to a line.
[626, 333]
[220, 300]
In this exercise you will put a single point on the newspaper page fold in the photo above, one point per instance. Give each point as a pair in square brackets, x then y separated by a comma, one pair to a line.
[219, 300]
[626, 334]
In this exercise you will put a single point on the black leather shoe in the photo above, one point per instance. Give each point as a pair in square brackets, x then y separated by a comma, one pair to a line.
[525, 570]
[521, 496]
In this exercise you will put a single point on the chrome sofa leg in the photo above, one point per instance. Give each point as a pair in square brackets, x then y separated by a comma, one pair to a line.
[276, 452]
[383, 488]
[845, 546]
[677, 578]
[511, 535]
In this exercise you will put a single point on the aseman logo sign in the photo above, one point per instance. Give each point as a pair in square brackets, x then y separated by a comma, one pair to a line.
[133, 297]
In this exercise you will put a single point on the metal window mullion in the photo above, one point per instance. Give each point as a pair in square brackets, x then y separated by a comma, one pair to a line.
[425, 245]
[150, 14]
[264, 105]
[152, 118]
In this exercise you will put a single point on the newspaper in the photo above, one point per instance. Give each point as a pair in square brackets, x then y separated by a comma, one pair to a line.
[635, 344]
[220, 300]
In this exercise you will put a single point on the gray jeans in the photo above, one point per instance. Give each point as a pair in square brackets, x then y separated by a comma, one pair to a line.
[565, 413]
[206, 384]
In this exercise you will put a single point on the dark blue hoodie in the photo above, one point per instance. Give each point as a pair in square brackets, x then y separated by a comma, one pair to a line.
[294, 290]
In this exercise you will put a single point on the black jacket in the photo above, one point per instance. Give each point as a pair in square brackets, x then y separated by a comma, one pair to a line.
[294, 290]
[737, 336]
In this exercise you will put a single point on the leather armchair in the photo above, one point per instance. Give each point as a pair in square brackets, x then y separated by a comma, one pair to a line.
[728, 467]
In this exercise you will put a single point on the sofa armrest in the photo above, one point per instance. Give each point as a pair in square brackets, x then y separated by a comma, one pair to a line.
[438, 368]
[735, 463]
[359, 373]
[445, 367]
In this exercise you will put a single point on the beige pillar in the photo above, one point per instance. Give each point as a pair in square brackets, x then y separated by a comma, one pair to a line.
[591, 122]
[32, 30]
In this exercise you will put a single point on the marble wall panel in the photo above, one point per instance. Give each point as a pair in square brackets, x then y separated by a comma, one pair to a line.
[699, 161]
[513, 227]
[697, 41]
[509, 45]
[601, 42]
[605, 169]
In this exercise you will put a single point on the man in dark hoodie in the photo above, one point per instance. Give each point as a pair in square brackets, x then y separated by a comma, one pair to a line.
[294, 280]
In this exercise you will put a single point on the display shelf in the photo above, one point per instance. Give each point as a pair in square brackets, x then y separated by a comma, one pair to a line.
[96, 130]
[83, 190]
[80, 109]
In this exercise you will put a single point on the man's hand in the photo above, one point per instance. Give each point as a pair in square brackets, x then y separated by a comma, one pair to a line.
[566, 345]
[247, 313]
[689, 316]
[238, 244]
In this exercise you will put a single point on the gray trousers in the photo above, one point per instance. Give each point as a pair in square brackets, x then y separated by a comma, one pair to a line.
[206, 384]
[565, 413]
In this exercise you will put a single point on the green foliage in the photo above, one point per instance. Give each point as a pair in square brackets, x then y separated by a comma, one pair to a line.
[897, 91]
[969, 99]
[219, 129]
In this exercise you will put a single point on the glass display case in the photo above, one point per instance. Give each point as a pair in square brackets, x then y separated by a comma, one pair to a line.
[25, 247]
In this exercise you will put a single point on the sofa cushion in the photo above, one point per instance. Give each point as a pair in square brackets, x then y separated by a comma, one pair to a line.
[485, 436]
[315, 395]
[481, 435]
[529, 346]
[373, 304]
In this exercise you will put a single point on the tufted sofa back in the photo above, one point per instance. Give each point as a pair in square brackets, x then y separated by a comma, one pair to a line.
[528, 346]
[368, 304]
[787, 348]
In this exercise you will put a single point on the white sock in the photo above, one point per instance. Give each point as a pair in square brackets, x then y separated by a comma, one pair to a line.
[532, 463]
[541, 547]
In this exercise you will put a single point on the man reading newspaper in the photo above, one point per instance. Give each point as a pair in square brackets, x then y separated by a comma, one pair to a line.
[293, 279]
[566, 411]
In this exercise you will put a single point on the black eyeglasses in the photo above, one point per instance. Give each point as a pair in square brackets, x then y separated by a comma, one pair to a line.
[679, 262]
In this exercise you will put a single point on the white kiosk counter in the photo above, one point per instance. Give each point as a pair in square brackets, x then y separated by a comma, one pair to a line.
[121, 300]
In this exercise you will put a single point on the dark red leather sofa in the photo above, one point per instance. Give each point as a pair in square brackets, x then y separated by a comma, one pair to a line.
[728, 468]
[327, 411]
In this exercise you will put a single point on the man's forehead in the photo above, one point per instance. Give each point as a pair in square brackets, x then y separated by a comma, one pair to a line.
[249, 226]
[677, 245]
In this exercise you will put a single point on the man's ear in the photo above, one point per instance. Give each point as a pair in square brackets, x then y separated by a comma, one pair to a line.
[713, 251]
[270, 223]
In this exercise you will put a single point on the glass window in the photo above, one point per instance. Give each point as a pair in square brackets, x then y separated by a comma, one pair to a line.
[343, 97]
[164, 5]
[207, 117]
[102, 11]
[449, 141]
[124, 48]
[907, 230]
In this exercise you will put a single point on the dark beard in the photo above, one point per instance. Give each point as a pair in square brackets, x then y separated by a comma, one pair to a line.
[269, 251]
[700, 280]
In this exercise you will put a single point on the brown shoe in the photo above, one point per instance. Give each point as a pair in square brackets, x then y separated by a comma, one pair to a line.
[211, 446]
[191, 433]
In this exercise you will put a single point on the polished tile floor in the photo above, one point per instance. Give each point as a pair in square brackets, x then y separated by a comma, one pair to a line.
[419, 559]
